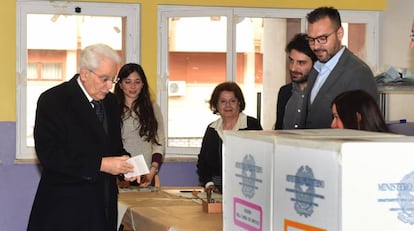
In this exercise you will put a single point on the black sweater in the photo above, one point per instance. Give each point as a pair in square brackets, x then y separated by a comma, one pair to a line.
[209, 163]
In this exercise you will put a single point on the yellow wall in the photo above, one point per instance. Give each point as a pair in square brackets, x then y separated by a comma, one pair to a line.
[148, 33]
[8, 61]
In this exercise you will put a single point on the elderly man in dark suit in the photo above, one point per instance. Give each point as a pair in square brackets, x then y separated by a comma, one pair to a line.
[80, 151]
[290, 98]
[337, 69]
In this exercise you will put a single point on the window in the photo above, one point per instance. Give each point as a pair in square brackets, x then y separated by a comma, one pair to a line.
[50, 36]
[203, 46]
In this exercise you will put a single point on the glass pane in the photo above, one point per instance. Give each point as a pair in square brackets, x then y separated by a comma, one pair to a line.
[53, 58]
[354, 39]
[197, 63]
[261, 63]
[52, 71]
[32, 71]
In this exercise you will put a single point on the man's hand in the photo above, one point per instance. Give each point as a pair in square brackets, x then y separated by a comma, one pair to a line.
[116, 165]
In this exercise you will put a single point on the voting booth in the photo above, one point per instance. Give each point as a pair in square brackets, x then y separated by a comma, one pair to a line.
[314, 180]
[247, 181]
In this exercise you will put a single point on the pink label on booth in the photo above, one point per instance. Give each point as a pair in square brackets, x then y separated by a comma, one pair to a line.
[247, 215]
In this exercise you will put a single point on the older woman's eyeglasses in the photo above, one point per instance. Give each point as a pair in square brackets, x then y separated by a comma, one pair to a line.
[105, 78]
[322, 39]
[412, 37]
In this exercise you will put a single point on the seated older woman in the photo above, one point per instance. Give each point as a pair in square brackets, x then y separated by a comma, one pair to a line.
[227, 100]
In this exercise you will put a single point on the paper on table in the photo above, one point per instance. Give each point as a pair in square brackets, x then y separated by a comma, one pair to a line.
[140, 167]
[187, 193]
[122, 207]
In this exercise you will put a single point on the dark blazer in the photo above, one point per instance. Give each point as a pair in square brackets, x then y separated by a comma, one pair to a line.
[350, 73]
[285, 92]
[209, 163]
[73, 194]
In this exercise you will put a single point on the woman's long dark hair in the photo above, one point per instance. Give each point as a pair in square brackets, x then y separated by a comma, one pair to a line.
[142, 106]
[349, 103]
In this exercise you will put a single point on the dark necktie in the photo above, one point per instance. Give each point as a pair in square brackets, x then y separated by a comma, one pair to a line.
[99, 110]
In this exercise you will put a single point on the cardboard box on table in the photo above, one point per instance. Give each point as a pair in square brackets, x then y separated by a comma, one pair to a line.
[319, 180]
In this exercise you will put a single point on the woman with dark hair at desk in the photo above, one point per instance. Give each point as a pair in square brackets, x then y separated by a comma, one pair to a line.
[357, 109]
[141, 120]
[227, 100]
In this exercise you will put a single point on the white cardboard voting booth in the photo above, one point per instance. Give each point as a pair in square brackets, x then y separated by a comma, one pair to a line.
[247, 182]
[314, 180]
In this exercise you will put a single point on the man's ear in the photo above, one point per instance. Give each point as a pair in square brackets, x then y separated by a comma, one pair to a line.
[83, 72]
[340, 33]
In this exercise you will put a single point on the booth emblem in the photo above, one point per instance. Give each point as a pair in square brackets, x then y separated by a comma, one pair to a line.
[248, 175]
[304, 190]
[406, 199]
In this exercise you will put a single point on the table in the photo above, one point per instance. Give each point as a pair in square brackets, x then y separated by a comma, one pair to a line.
[161, 211]
[387, 88]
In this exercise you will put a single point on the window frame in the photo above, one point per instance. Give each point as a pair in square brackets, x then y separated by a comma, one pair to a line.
[23, 8]
[165, 12]
[371, 18]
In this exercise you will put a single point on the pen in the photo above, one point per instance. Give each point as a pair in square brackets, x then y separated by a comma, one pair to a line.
[187, 191]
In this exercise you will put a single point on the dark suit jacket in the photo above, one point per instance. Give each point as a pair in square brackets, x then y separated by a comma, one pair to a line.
[73, 194]
[285, 92]
[350, 73]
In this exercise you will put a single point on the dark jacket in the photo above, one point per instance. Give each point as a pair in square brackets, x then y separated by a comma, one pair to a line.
[285, 92]
[209, 163]
[73, 194]
[350, 73]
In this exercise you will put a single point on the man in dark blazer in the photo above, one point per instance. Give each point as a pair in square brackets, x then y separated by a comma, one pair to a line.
[290, 98]
[80, 156]
[337, 69]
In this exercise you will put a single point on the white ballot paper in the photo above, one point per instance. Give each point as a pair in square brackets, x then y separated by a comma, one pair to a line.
[140, 167]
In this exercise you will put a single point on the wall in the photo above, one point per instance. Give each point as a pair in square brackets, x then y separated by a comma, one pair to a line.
[19, 181]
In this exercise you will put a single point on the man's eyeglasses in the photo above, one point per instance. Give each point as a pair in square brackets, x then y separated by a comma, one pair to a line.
[105, 78]
[321, 39]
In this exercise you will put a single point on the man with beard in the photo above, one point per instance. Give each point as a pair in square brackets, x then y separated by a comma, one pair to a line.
[290, 97]
[337, 69]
